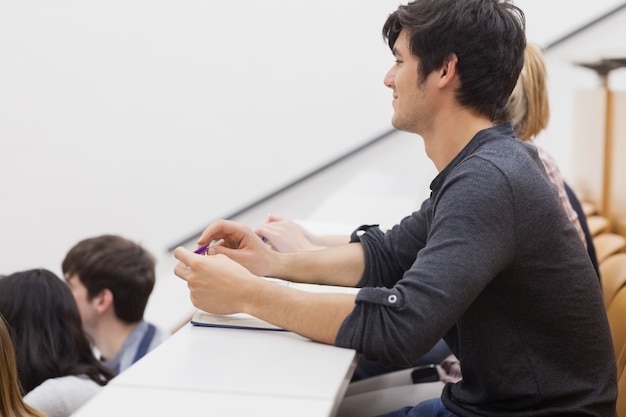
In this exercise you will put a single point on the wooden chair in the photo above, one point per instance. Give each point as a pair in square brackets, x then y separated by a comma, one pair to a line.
[597, 224]
[616, 311]
[607, 244]
[615, 314]
[613, 275]
[621, 383]
[589, 208]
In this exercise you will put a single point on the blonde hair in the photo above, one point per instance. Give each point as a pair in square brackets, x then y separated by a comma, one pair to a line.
[528, 107]
[11, 402]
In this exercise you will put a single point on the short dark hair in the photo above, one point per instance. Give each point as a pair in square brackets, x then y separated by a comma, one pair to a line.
[46, 329]
[117, 264]
[487, 36]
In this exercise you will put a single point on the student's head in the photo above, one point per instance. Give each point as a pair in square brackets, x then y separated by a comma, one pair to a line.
[110, 269]
[487, 37]
[11, 403]
[528, 107]
[46, 329]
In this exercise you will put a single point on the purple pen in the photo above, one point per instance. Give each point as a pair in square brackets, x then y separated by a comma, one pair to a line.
[201, 250]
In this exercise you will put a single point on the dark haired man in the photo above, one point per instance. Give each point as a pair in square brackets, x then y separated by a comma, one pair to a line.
[111, 279]
[489, 262]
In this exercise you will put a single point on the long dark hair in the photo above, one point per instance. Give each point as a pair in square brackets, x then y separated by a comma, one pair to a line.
[46, 329]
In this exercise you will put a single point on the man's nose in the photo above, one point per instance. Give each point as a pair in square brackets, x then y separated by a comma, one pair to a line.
[388, 80]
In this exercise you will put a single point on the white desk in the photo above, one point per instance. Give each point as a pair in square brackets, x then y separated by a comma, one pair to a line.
[232, 372]
[155, 402]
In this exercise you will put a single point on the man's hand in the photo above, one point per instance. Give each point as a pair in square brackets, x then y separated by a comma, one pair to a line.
[216, 283]
[241, 244]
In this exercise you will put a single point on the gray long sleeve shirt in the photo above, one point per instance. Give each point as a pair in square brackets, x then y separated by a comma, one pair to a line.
[490, 263]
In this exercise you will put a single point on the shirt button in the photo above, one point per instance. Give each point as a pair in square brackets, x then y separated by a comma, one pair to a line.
[392, 298]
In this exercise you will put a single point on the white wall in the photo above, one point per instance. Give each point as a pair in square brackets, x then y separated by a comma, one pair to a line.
[149, 118]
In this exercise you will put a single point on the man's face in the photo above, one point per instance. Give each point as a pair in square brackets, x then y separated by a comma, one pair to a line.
[410, 98]
[85, 306]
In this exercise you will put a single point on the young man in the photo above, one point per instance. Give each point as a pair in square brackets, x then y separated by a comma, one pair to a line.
[490, 262]
[111, 279]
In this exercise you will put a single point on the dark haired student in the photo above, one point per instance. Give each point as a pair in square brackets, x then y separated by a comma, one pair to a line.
[112, 278]
[490, 262]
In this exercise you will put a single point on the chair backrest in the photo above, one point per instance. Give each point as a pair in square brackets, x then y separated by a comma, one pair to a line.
[613, 274]
[616, 312]
[607, 244]
[589, 208]
[621, 383]
[597, 224]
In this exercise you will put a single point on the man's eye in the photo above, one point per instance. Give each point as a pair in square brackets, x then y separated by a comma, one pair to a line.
[398, 62]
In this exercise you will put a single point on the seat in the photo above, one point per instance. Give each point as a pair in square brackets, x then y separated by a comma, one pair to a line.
[621, 383]
[616, 312]
[607, 244]
[588, 208]
[597, 224]
[613, 274]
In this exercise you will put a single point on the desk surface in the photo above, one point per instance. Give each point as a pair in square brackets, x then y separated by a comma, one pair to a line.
[203, 369]
[157, 402]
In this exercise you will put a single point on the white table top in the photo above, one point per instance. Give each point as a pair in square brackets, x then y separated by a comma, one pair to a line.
[233, 371]
[139, 401]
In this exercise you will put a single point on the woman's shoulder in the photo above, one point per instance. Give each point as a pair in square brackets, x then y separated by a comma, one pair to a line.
[63, 395]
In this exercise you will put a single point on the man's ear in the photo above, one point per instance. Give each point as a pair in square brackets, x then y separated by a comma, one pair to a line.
[447, 73]
[103, 301]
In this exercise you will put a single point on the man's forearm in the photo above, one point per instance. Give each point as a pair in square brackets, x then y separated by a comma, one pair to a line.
[317, 316]
[338, 265]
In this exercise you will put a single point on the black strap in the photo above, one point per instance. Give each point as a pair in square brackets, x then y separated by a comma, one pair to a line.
[359, 231]
[145, 342]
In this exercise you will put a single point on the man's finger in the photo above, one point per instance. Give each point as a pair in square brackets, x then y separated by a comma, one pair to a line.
[181, 270]
[183, 255]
